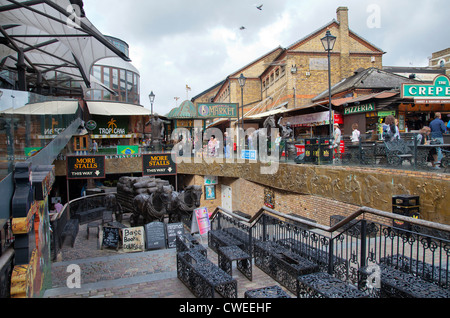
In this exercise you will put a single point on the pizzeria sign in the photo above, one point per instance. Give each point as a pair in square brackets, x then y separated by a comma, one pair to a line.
[360, 109]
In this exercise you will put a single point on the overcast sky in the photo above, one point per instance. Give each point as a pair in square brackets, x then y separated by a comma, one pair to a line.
[174, 43]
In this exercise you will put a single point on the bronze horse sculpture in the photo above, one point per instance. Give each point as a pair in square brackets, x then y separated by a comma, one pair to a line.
[185, 202]
[152, 206]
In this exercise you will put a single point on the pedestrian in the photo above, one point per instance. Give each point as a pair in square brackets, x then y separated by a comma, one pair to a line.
[58, 206]
[94, 146]
[437, 127]
[227, 145]
[277, 144]
[337, 141]
[390, 130]
[355, 134]
[212, 146]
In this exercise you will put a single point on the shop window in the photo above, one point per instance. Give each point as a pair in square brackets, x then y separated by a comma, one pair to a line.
[80, 143]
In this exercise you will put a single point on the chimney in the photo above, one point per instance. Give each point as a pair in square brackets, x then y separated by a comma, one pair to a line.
[342, 18]
[343, 39]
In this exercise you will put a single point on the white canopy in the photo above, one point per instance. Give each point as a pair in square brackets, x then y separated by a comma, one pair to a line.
[54, 36]
[67, 107]
[116, 109]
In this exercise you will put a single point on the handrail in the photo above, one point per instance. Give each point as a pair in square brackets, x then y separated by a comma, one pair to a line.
[339, 225]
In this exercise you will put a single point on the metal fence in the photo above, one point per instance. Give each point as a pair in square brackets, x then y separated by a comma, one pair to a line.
[353, 243]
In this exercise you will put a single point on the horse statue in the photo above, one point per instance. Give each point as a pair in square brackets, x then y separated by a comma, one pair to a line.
[185, 202]
[153, 206]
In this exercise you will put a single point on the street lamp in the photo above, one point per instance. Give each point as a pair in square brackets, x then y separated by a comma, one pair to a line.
[152, 99]
[242, 79]
[328, 42]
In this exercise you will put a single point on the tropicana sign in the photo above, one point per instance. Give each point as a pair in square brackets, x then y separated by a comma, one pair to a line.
[440, 89]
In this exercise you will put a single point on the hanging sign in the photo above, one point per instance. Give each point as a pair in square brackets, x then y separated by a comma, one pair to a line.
[85, 167]
[160, 164]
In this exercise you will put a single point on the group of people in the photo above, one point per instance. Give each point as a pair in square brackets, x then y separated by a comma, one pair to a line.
[434, 134]
[428, 134]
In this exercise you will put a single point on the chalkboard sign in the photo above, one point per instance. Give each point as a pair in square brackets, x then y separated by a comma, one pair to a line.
[155, 234]
[173, 229]
[111, 237]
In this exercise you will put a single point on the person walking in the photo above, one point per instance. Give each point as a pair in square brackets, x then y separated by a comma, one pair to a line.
[437, 127]
[355, 134]
[337, 141]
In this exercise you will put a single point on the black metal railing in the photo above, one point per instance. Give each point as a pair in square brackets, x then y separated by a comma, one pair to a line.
[353, 243]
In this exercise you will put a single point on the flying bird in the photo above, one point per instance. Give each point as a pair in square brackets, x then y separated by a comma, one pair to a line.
[242, 28]
[259, 7]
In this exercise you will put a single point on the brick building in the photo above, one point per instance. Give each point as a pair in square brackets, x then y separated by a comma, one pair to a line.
[288, 78]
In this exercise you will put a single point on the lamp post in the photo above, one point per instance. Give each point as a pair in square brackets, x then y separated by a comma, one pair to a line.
[151, 96]
[241, 81]
[328, 42]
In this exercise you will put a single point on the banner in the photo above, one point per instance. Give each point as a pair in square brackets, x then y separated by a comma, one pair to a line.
[127, 150]
[203, 224]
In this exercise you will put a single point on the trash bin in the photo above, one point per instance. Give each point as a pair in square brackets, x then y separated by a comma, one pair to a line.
[325, 152]
[311, 149]
[406, 205]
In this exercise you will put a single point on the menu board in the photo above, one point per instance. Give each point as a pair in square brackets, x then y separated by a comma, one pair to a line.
[155, 234]
[173, 229]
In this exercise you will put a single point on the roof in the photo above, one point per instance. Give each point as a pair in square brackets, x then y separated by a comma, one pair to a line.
[186, 110]
[116, 109]
[67, 107]
[371, 78]
[52, 39]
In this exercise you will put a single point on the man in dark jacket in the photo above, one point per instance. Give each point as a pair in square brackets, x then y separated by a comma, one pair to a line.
[437, 129]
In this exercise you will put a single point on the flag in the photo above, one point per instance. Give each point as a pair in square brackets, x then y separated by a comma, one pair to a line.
[187, 87]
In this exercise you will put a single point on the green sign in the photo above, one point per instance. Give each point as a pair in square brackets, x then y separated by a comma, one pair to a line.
[217, 110]
[360, 109]
[439, 89]
[386, 113]
[127, 150]
[111, 125]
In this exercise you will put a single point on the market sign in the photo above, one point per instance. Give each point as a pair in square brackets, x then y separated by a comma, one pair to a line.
[440, 89]
[370, 107]
[85, 167]
[160, 164]
[214, 110]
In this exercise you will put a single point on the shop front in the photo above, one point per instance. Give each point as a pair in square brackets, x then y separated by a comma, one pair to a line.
[420, 103]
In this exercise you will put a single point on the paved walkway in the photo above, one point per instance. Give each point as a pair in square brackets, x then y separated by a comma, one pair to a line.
[108, 273]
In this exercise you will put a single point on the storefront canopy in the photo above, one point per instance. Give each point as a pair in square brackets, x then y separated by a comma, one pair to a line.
[54, 35]
[69, 107]
[116, 109]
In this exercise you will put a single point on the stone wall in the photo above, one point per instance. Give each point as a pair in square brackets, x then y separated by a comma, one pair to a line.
[309, 190]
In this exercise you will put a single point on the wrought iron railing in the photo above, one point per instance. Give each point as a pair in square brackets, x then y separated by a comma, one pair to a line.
[353, 243]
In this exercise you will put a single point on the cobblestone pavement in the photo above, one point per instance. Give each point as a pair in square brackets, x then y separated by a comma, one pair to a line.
[108, 273]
